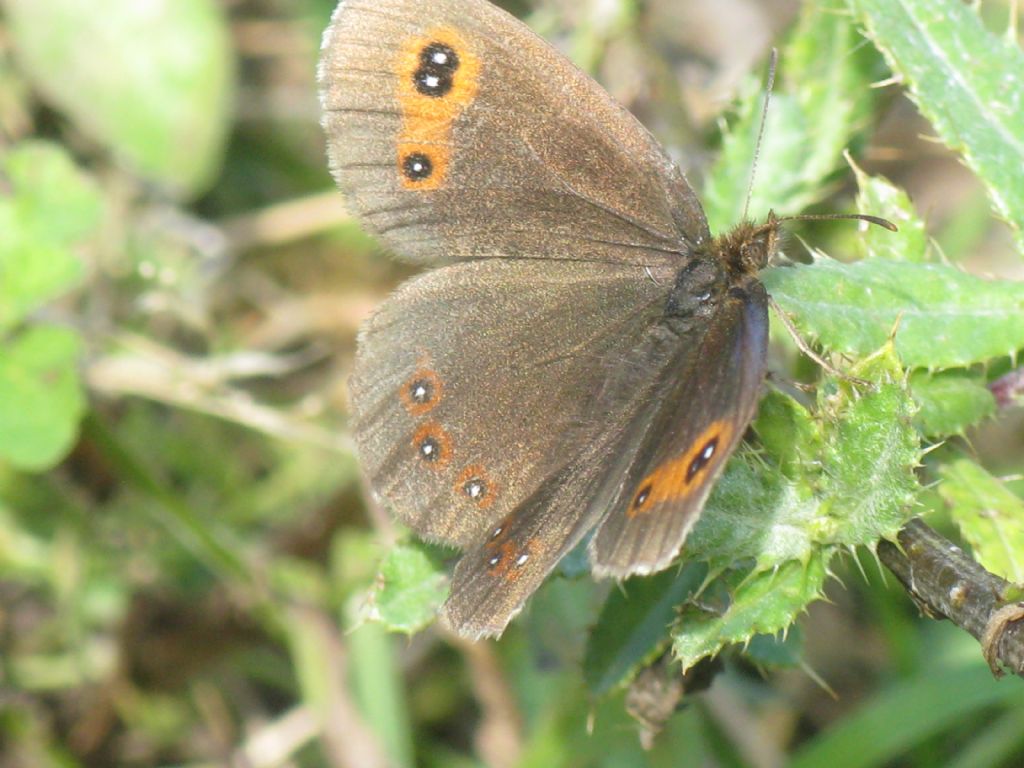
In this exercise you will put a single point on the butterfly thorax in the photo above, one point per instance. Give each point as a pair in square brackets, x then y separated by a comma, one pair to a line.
[728, 262]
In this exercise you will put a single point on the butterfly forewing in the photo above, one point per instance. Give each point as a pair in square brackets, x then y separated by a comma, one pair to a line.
[685, 437]
[457, 133]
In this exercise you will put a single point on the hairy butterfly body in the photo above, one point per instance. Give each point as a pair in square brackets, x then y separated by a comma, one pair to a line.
[583, 356]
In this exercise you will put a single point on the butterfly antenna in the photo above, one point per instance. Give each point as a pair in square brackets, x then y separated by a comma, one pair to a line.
[878, 221]
[769, 87]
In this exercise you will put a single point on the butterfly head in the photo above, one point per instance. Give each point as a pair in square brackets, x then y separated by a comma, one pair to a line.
[747, 248]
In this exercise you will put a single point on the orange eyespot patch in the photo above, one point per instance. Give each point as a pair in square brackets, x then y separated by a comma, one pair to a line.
[433, 446]
[438, 76]
[474, 485]
[679, 476]
[504, 558]
[421, 392]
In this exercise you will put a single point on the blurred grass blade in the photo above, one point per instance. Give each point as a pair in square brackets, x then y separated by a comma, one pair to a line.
[374, 670]
[993, 744]
[897, 719]
[966, 81]
[632, 626]
[195, 532]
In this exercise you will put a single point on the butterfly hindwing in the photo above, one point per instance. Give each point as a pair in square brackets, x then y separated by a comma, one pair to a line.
[475, 381]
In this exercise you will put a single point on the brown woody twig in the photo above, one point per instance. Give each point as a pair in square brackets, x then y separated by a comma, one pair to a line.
[947, 583]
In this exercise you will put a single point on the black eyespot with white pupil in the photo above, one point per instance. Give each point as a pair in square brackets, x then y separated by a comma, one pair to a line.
[435, 75]
[429, 449]
[642, 496]
[421, 391]
[417, 166]
[701, 459]
[475, 489]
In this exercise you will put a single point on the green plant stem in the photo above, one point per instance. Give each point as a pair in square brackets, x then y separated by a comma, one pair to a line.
[947, 583]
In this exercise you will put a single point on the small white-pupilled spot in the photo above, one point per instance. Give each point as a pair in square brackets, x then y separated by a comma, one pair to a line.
[497, 532]
[521, 560]
[494, 560]
[439, 57]
[709, 451]
[431, 81]
[474, 489]
[419, 391]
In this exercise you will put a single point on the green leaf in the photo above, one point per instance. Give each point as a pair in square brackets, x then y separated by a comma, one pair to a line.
[950, 401]
[849, 476]
[410, 589]
[990, 516]
[153, 81]
[631, 629]
[755, 513]
[51, 207]
[946, 317]
[934, 47]
[53, 197]
[763, 605]
[879, 197]
[812, 120]
[777, 650]
[868, 482]
[788, 432]
[41, 398]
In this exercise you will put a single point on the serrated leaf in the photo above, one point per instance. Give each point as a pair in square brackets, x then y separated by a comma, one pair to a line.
[811, 122]
[850, 481]
[41, 398]
[754, 513]
[935, 47]
[781, 650]
[950, 401]
[879, 197]
[871, 450]
[632, 626]
[51, 207]
[990, 516]
[153, 81]
[788, 432]
[947, 318]
[762, 604]
[410, 589]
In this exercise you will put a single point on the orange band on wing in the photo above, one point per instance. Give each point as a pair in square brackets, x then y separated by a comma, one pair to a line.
[424, 142]
[680, 476]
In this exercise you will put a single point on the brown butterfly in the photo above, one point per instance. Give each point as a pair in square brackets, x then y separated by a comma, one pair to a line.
[584, 354]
